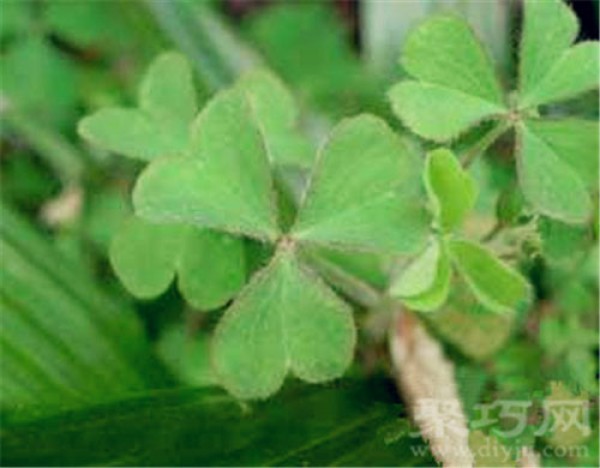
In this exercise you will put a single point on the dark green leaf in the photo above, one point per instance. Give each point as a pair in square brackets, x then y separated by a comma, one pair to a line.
[63, 342]
[353, 424]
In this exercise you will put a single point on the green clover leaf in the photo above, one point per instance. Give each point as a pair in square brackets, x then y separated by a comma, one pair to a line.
[277, 114]
[285, 320]
[223, 181]
[363, 192]
[212, 182]
[497, 286]
[451, 189]
[160, 125]
[551, 68]
[210, 266]
[454, 88]
[548, 179]
[425, 284]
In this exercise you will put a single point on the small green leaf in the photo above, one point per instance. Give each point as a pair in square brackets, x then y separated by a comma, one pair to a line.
[420, 275]
[574, 73]
[451, 189]
[277, 115]
[456, 86]
[284, 320]
[167, 94]
[436, 112]
[160, 127]
[497, 286]
[144, 256]
[550, 69]
[574, 141]
[425, 284]
[363, 192]
[548, 182]
[211, 268]
[129, 132]
[223, 183]
[549, 28]
[443, 50]
[210, 265]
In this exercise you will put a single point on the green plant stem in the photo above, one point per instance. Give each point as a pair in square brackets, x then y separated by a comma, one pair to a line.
[359, 291]
[484, 143]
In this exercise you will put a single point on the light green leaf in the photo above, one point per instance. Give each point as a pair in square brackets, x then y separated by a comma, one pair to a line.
[549, 28]
[223, 183]
[456, 86]
[167, 94]
[424, 285]
[144, 255]
[284, 320]
[436, 112]
[574, 142]
[574, 73]
[496, 285]
[420, 275]
[451, 189]
[277, 115]
[363, 192]
[548, 182]
[129, 132]
[210, 266]
[187, 427]
[160, 127]
[443, 50]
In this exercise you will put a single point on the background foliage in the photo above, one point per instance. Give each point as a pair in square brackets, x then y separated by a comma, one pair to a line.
[107, 317]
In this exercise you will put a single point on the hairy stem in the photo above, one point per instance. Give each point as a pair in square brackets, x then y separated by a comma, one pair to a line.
[426, 381]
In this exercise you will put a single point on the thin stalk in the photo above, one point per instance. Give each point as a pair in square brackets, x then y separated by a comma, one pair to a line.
[484, 143]
[359, 291]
